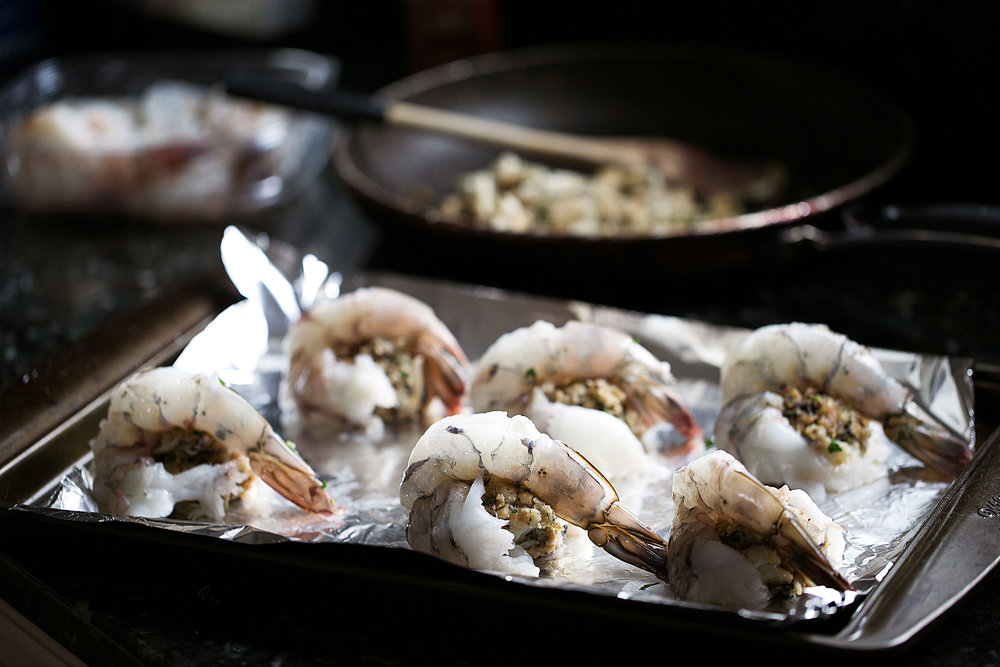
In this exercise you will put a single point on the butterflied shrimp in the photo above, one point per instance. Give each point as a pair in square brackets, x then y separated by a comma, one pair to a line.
[797, 357]
[491, 492]
[372, 355]
[806, 440]
[735, 541]
[172, 436]
[583, 364]
[600, 437]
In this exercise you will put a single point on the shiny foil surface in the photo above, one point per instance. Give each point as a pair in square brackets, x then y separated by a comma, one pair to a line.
[243, 347]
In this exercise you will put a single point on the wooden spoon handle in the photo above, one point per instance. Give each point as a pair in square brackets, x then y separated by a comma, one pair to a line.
[349, 105]
[507, 135]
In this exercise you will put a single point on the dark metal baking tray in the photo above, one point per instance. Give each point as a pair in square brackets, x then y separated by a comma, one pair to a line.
[957, 545]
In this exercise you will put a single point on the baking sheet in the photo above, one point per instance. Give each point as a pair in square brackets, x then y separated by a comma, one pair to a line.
[243, 347]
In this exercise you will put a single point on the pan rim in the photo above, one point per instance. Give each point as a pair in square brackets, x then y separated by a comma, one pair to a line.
[423, 215]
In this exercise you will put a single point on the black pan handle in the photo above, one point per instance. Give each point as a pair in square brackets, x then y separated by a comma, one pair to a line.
[964, 226]
[343, 104]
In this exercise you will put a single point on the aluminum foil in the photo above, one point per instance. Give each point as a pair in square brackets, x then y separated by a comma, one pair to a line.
[243, 347]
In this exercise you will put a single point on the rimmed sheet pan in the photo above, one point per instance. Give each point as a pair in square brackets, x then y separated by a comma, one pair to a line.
[956, 534]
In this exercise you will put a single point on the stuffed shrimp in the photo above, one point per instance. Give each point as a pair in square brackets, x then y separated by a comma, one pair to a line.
[600, 437]
[583, 364]
[176, 439]
[808, 407]
[491, 492]
[735, 541]
[375, 355]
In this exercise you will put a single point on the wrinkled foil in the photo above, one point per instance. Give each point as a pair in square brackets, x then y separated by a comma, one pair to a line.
[243, 348]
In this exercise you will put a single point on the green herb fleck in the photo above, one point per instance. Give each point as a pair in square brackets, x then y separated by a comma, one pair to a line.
[834, 447]
[222, 382]
[709, 441]
[291, 445]
[531, 374]
[322, 484]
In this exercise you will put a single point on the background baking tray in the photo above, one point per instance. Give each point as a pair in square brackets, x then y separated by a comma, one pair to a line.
[232, 584]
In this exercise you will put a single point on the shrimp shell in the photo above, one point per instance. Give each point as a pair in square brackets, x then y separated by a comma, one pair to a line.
[603, 439]
[717, 490]
[459, 449]
[525, 358]
[754, 429]
[800, 355]
[326, 379]
[152, 407]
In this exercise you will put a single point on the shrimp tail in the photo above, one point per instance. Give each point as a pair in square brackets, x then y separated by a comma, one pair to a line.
[796, 545]
[443, 379]
[443, 370]
[810, 560]
[625, 537]
[285, 472]
[661, 405]
[928, 439]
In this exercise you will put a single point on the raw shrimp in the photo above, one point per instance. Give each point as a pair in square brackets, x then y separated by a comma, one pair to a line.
[177, 151]
[600, 437]
[735, 541]
[372, 355]
[834, 451]
[71, 152]
[582, 364]
[172, 436]
[803, 357]
[463, 457]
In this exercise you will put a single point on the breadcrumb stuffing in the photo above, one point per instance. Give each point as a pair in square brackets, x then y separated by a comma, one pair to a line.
[515, 195]
[829, 425]
[405, 372]
[596, 394]
[179, 449]
[535, 526]
[779, 576]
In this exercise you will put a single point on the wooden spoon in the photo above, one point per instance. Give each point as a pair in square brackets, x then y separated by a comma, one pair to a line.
[708, 173]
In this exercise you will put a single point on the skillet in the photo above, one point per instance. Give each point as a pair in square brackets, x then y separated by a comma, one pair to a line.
[838, 138]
